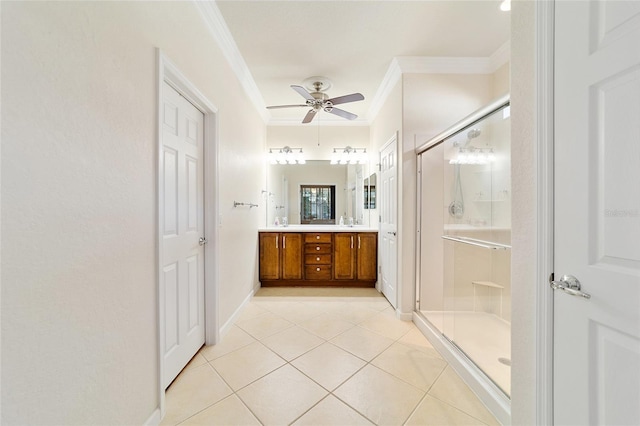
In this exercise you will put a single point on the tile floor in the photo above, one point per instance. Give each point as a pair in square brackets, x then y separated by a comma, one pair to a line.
[325, 357]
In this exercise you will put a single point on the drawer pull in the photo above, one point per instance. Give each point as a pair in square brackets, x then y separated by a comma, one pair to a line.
[317, 237]
[318, 259]
[318, 248]
[318, 269]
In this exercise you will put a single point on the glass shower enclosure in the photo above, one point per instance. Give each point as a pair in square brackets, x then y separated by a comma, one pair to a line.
[464, 260]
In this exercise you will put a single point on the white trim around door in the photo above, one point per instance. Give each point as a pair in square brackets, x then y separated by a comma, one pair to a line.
[544, 127]
[169, 73]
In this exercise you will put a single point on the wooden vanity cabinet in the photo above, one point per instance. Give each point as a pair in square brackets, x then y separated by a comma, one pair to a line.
[291, 256]
[344, 256]
[367, 256]
[345, 259]
[269, 245]
[280, 256]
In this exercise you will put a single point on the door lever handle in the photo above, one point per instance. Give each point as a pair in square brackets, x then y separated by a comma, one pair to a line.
[569, 284]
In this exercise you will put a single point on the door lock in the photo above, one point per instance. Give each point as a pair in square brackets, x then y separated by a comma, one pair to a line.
[569, 284]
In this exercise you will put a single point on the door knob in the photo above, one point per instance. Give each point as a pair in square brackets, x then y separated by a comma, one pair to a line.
[202, 241]
[569, 284]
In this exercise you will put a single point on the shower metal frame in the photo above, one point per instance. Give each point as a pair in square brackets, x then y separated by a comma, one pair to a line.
[490, 394]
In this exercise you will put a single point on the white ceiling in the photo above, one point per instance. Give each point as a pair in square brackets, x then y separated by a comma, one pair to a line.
[352, 43]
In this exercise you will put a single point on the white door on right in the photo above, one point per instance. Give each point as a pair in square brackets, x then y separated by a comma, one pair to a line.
[388, 220]
[597, 213]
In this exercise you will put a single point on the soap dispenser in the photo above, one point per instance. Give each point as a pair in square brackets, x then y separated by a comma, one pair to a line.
[341, 223]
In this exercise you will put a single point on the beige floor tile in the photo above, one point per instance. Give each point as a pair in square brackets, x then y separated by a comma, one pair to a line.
[233, 340]
[379, 304]
[451, 389]
[326, 326]
[432, 412]
[382, 398]
[228, 412]
[335, 292]
[196, 361]
[416, 340]
[292, 342]
[282, 396]
[297, 312]
[355, 313]
[328, 365]
[387, 325]
[264, 325]
[251, 310]
[362, 343]
[332, 412]
[411, 365]
[247, 364]
[192, 391]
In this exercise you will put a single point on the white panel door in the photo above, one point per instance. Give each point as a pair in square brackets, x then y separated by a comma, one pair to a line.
[597, 212]
[182, 206]
[388, 221]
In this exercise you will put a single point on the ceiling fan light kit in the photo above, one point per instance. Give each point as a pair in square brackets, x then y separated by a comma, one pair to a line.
[316, 99]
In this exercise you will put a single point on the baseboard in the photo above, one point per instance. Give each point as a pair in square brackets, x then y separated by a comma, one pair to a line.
[229, 323]
[154, 419]
[404, 316]
[496, 402]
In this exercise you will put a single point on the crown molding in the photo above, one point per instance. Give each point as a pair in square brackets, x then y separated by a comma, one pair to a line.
[398, 66]
[393, 75]
[500, 56]
[221, 34]
[435, 65]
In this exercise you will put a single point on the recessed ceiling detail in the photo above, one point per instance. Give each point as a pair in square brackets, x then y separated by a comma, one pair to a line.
[269, 45]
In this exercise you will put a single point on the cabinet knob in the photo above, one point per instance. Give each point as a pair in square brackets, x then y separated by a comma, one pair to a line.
[318, 259]
[318, 269]
[318, 248]
[317, 237]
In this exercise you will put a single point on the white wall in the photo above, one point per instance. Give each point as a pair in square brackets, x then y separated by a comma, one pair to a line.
[79, 290]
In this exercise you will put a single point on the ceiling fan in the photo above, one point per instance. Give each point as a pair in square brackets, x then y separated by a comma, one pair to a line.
[317, 99]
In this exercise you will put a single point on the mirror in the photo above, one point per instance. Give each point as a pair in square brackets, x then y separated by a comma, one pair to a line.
[370, 192]
[319, 193]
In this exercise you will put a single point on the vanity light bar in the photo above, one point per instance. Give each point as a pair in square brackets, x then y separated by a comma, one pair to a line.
[286, 155]
[349, 155]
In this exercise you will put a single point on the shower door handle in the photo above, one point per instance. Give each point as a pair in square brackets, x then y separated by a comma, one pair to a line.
[569, 284]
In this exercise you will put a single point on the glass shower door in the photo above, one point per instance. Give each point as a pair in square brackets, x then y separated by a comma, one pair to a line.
[466, 233]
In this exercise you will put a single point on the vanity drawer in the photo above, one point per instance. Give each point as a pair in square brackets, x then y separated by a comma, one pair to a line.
[317, 259]
[318, 272]
[317, 248]
[317, 237]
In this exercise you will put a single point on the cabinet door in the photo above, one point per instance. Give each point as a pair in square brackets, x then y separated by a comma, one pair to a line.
[269, 256]
[367, 257]
[292, 259]
[344, 256]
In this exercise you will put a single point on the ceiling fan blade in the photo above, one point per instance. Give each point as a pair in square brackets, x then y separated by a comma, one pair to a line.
[342, 113]
[285, 106]
[347, 98]
[303, 92]
[310, 115]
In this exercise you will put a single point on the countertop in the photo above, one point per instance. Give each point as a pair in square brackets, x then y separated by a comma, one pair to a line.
[318, 228]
